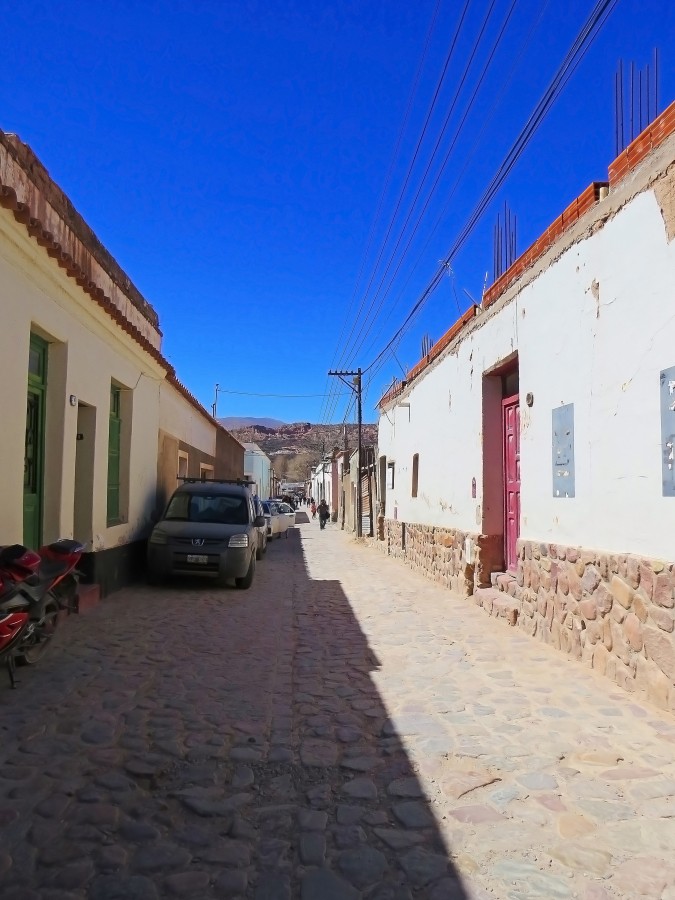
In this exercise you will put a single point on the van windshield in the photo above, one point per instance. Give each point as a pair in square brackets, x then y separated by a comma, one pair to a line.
[218, 508]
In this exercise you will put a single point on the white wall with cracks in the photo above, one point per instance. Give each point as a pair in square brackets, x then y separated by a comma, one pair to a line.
[593, 326]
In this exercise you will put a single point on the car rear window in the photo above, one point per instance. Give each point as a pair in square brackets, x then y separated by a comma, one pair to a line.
[219, 508]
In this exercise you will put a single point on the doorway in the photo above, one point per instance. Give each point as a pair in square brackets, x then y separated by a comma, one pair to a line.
[500, 514]
[34, 448]
[84, 474]
[511, 457]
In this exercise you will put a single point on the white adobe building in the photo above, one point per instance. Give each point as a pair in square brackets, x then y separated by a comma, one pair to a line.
[321, 482]
[258, 469]
[528, 460]
[97, 428]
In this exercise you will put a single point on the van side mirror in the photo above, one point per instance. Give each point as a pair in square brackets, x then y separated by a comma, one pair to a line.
[259, 522]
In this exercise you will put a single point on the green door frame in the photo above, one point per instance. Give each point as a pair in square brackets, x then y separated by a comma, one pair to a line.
[33, 478]
[113, 516]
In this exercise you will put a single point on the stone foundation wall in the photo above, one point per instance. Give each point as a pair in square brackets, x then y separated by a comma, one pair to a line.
[393, 538]
[439, 553]
[615, 612]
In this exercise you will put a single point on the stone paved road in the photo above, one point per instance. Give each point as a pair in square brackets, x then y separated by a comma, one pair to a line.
[345, 729]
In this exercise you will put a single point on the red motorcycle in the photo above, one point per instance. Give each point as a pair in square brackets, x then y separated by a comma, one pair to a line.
[34, 587]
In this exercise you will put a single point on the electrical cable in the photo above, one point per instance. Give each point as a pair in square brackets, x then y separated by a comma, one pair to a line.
[387, 181]
[487, 121]
[420, 140]
[585, 38]
[359, 343]
[367, 325]
[285, 396]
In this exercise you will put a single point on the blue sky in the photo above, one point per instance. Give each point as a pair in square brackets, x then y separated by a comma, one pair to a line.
[231, 156]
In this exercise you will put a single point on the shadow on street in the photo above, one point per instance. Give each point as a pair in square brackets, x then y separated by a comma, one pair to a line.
[208, 743]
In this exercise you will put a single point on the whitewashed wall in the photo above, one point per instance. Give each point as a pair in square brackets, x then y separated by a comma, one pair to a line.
[86, 351]
[258, 466]
[603, 355]
[443, 424]
[179, 418]
[322, 484]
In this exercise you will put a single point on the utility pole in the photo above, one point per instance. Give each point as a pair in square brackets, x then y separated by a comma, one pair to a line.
[323, 470]
[355, 386]
[342, 477]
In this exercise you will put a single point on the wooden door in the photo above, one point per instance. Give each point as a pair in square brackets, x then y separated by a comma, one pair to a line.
[511, 445]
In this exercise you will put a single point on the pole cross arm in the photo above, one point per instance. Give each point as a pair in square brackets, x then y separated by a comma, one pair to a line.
[353, 385]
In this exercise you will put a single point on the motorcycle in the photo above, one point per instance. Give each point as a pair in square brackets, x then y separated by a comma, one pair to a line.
[14, 624]
[34, 588]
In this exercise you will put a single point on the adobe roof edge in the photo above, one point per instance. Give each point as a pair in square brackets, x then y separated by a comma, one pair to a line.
[434, 354]
[36, 171]
[190, 397]
[8, 200]
[628, 160]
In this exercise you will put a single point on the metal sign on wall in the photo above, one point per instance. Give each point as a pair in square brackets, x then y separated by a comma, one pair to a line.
[668, 431]
[563, 450]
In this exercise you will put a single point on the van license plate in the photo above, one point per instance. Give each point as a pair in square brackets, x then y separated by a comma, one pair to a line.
[197, 558]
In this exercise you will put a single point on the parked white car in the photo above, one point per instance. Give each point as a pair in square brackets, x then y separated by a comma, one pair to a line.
[276, 521]
[288, 512]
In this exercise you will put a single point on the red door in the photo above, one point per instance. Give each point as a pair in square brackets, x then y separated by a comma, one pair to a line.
[511, 423]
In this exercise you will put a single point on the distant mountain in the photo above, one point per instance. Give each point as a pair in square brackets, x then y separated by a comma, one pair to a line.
[294, 448]
[233, 422]
[303, 437]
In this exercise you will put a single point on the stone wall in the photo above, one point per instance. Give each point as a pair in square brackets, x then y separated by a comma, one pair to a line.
[612, 611]
[393, 538]
[439, 553]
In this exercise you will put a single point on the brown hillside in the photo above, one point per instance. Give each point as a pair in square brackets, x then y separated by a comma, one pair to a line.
[295, 448]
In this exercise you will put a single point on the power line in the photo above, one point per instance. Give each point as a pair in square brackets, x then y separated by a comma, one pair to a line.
[368, 327]
[584, 39]
[370, 317]
[487, 121]
[285, 396]
[387, 181]
[411, 165]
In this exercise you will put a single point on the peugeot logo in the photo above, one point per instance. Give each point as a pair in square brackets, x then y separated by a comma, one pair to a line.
[197, 542]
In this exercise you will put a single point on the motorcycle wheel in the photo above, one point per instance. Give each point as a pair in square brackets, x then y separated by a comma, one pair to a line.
[33, 650]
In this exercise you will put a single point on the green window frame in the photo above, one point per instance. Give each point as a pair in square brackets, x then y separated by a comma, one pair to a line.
[114, 457]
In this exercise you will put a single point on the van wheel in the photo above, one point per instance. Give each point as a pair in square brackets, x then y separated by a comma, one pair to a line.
[245, 583]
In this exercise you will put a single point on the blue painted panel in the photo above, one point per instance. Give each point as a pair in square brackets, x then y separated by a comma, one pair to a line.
[563, 450]
[668, 431]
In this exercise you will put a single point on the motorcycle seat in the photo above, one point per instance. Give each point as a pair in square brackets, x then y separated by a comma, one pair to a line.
[50, 568]
[65, 547]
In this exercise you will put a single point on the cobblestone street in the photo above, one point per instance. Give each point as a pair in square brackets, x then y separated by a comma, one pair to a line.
[344, 729]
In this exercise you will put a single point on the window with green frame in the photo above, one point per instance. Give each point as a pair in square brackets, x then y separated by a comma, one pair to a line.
[114, 456]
